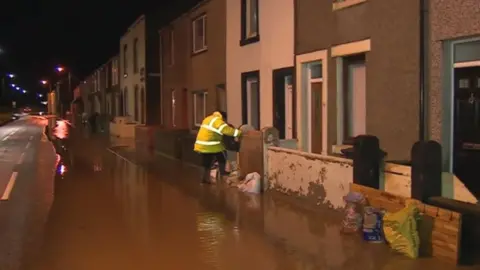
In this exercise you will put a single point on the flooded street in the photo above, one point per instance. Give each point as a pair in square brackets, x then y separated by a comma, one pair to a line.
[120, 209]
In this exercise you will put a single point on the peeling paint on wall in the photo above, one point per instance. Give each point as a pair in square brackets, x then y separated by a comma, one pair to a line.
[322, 179]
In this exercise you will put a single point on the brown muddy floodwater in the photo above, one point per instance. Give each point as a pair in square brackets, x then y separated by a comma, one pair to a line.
[109, 213]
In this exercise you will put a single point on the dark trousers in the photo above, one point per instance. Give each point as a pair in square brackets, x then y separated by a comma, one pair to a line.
[208, 160]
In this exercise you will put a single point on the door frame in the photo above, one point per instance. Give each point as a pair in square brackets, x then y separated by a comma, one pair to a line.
[304, 96]
[448, 98]
[283, 73]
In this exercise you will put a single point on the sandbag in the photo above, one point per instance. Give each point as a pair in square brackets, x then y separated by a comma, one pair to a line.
[352, 221]
[251, 184]
[400, 230]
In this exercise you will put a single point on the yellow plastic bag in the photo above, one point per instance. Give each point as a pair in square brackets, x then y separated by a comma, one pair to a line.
[401, 231]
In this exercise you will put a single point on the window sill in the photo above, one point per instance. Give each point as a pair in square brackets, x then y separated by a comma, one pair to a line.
[346, 3]
[195, 53]
[249, 40]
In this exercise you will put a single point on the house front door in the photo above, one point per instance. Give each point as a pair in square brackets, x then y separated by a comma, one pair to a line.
[467, 127]
[316, 117]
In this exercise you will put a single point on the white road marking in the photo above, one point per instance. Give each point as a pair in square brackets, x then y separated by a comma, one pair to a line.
[8, 189]
[27, 146]
[6, 138]
[120, 156]
[22, 158]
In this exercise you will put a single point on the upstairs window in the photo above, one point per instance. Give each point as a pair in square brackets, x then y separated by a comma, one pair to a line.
[250, 29]
[199, 32]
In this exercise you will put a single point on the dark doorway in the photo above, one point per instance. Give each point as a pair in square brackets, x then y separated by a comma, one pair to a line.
[316, 113]
[283, 102]
[467, 127]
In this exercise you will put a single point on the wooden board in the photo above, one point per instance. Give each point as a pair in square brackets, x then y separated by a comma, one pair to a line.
[439, 229]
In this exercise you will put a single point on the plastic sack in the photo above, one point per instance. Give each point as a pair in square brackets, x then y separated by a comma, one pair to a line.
[251, 184]
[401, 231]
[352, 221]
[373, 225]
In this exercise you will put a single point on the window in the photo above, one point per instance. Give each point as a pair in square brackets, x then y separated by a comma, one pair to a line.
[114, 72]
[463, 83]
[199, 31]
[250, 27]
[221, 98]
[171, 48]
[125, 102]
[136, 112]
[125, 57]
[199, 107]
[354, 97]
[135, 55]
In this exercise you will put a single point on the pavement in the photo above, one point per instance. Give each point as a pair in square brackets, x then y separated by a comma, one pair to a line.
[103, 204]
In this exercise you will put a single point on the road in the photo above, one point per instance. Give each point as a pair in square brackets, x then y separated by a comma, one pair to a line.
[102, 206]
[27, 160]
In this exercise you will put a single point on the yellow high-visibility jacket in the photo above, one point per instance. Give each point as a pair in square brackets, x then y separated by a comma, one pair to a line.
[209, 137]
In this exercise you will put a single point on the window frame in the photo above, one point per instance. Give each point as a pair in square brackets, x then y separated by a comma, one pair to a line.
[198, 122]
[247, 37]
[203, 18]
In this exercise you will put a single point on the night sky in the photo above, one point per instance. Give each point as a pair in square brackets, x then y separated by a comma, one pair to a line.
[36, 36]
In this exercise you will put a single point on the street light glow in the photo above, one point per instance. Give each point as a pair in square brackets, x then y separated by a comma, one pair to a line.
[44, 82]
[24, 91]
[11, 75]
[13, 85]
[60, 69]
[40, 95]
[18, 88]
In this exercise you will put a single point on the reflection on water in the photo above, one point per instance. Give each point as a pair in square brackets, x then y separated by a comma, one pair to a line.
[131, 192]
[61, 129]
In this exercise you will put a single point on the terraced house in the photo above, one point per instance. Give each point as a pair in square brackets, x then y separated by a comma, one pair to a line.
[260, 60]
[193, 65]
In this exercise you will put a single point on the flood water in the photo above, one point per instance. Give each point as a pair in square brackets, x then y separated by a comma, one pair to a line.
[151, 213]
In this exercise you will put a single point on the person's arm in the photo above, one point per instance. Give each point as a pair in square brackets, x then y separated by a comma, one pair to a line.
[226, 129]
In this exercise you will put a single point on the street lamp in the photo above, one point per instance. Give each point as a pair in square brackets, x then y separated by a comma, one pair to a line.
[11, 75]
[13, 85]
[24, 91]
[18, 88]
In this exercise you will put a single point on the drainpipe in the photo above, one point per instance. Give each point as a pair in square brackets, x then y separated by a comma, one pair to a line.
[423, 68]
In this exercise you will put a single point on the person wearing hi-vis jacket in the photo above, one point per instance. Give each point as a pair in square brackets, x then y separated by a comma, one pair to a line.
[209, 143]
